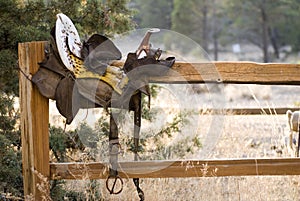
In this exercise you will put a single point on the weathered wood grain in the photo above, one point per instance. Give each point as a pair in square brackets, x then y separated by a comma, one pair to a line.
[249, 111]
[34, 122]
[231, 72]
[185, 168]
[234, 72]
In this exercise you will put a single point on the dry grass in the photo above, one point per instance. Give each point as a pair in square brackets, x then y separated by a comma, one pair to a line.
[241, 137]
[238, 136]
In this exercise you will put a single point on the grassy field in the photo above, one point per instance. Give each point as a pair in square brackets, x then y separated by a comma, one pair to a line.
[257, 136]
[238, 136]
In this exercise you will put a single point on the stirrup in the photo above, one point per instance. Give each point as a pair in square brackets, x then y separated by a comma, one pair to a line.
[112, 190]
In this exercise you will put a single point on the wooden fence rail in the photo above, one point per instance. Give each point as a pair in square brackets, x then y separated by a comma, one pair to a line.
[231, 72]
[249, 111]
[181, 168]
[35, 119]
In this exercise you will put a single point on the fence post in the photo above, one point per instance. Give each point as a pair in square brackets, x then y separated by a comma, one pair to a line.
[34, 124]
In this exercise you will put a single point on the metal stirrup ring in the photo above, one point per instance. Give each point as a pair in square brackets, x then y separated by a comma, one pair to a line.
[112, 189]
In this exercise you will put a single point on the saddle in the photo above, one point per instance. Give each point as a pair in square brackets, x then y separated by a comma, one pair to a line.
[101, 80]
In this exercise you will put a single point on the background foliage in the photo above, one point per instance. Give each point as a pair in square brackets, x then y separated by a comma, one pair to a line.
[265, 23]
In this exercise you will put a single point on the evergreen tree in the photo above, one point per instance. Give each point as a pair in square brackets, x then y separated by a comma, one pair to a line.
[191, 18]
[153, 13]
[264, 23]
[10, 155]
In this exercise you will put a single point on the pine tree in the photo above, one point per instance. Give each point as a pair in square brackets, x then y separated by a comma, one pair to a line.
[264, 23]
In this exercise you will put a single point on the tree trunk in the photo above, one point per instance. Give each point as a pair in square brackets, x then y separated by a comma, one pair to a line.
[273, 37]
[215, 33]
[216, 47]
[205, 29]
[265, 42]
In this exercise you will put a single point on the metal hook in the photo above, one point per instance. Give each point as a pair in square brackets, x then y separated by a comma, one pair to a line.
[112, 189]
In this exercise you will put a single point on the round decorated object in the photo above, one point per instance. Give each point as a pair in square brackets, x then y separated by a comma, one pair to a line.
[67, 40]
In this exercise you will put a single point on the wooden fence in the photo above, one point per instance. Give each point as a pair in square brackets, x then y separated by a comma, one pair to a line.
[35, 119]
